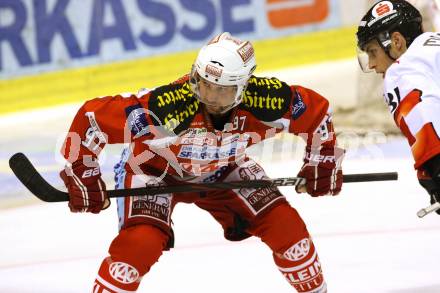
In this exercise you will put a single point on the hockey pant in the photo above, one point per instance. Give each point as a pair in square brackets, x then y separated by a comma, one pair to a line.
[145, 233]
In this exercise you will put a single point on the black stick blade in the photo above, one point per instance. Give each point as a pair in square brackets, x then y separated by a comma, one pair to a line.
[29, 176]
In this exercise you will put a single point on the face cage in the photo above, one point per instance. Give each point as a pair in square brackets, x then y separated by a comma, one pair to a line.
[194, 81]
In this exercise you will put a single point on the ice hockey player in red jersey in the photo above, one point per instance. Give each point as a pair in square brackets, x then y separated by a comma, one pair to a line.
[392, 42]
[196, 130]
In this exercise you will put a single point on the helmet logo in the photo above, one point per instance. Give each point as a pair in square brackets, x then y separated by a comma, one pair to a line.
[212, 70]
[382, 8]
[246, 51]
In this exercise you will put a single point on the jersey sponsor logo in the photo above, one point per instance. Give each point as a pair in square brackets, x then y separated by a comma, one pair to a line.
[207, 153]
[241, 138]
[298, 107]
[199, 169]
[216, 174]
[193, 132]
[173, 95]
[203, 147]
[137, 120]
[267, 99]
[198, 141]
[253, 100]
[123, 272]
[298, 251]
[268, 83]
[174, 105]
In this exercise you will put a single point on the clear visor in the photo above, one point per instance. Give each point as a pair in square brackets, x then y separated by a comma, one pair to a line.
[363, 60]
[218, 98]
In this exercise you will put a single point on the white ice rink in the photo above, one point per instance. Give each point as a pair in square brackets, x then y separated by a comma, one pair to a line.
[369, 238]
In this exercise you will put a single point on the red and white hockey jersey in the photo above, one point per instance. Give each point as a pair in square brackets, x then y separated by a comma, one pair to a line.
[168, 128]
[412, 91]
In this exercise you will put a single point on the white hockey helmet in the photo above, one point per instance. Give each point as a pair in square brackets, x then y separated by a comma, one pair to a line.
[226, 62]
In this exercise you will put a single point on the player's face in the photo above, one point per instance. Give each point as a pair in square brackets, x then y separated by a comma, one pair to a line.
[378, 60]
[217, 98]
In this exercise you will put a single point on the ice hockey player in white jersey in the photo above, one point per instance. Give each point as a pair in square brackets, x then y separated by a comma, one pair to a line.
[391, 42]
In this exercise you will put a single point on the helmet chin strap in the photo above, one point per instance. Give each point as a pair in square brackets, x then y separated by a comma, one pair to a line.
[386, 48]
[389, 55]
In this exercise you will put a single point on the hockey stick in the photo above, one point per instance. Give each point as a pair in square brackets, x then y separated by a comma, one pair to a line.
[37, 185]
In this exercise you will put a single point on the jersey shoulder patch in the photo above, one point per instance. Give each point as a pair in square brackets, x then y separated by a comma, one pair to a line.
[268, 99]
[173, 107]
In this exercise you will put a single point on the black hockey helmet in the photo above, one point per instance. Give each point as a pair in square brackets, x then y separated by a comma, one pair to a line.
[386, 17]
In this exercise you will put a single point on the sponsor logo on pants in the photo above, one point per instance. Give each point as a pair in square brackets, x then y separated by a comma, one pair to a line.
[306, 279]
[123, 272]
[298, 251]
[154, 206]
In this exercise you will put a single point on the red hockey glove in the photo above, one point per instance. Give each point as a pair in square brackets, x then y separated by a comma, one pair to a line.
[322, 171]
[86, 189]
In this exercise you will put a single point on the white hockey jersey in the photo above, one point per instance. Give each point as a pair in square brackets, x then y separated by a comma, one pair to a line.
[412, 92]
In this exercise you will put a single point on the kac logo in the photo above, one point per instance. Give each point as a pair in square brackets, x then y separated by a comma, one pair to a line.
[298, 251]
[123, 272]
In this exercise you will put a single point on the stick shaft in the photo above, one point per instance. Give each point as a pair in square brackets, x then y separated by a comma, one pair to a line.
[386, 176]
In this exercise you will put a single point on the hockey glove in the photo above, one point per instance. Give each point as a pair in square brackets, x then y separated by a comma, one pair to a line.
[322, 170]
[86, 189]
[429, 178]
